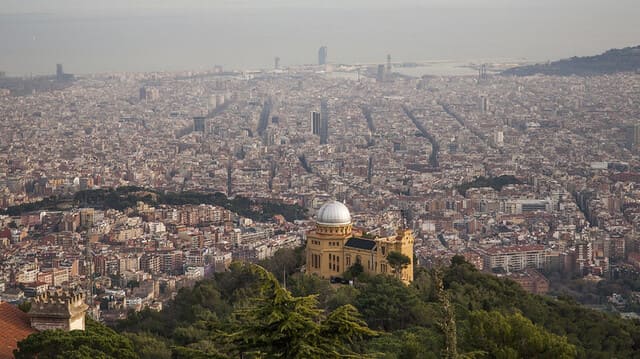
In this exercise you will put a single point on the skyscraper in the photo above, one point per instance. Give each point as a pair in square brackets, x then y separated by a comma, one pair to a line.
[324, 122]
[198, 124]
[322, 55]
[315, 122]
[498, 138]
[389, 64]
[59, 72]
[484, 103]
[482, 73]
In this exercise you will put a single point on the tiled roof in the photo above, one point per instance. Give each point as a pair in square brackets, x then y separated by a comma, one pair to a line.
[360, 243]
[14, 326]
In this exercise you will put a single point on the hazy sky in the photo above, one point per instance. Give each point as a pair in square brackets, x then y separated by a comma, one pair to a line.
[148, 35]
[66, 6]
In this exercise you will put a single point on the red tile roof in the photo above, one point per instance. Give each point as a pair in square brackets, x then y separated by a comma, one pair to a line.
[14, 326]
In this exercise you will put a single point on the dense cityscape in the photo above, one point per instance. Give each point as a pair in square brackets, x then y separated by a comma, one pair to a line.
[531, 178]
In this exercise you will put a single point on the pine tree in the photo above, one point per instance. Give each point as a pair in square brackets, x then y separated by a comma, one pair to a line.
[398, 262]
[279, 325]
[448, 323]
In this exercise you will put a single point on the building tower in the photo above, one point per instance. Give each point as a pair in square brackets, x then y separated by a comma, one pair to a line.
[324, 122]
[59, 72]
[484, 103]
[388, 64]
[87, 217]
[332, 247]
[315, 123]
[277, 63]
[198, 124]
[58, 310]
[482, 73]
[322, 55]
[498, 138]
[370, 170]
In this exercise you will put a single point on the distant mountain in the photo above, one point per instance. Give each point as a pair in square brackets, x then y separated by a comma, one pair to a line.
[612, 61]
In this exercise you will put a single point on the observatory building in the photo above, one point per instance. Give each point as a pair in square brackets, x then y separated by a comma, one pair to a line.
[332, 247]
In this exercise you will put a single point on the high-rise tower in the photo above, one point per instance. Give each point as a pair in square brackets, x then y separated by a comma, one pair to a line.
[484, 103]
[59, 72]
[322, 55]
[324, 122]
[199, 124]
[389, 64]
[482, 73]
[315, 122]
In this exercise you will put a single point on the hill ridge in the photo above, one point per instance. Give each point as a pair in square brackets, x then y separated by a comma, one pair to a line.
[609, 62]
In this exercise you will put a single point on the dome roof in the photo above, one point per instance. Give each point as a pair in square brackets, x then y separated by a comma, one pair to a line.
[333, 213]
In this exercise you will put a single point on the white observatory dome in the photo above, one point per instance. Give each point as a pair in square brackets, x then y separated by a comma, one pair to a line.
[333, 213]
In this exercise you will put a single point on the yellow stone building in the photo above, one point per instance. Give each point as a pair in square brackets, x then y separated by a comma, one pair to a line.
[332, 247]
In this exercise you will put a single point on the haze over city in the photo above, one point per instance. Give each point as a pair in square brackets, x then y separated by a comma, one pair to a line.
[104, 36]
[319, 179]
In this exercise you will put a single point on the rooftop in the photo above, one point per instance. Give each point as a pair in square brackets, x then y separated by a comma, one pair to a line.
[361, 243]
[14, 326]
[334, 213]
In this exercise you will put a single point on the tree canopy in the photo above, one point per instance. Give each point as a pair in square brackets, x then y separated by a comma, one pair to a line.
[125, 197]
[513, 336]
[280, 325]
[97, 341]
[398, 262]
[494, 182]
[453, 312]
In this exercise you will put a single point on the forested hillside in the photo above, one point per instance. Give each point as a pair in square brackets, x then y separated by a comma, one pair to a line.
[122, 198]
[453, 312]
[609, 62]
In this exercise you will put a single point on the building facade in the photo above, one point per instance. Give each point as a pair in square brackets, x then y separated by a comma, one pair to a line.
[315, 123]
[514, 258]
[58, 310]
[332, 247]
[324, 122]
[322, 55]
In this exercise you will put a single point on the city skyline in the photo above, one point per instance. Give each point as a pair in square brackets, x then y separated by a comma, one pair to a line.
[115, 38]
